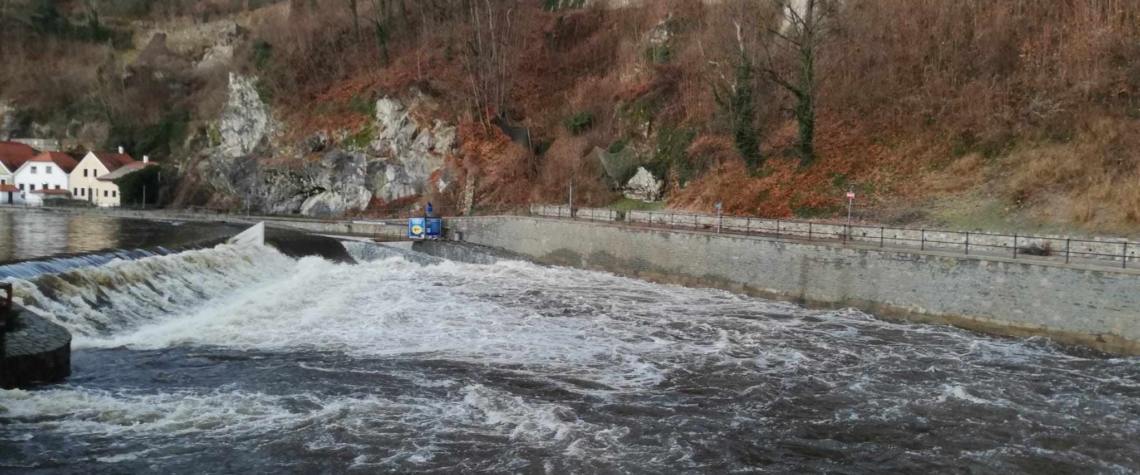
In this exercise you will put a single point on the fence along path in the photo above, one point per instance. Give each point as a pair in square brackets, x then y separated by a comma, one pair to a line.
[1104, 252]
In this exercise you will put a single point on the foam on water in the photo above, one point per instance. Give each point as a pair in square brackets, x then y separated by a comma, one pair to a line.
[618, 362]
[101, 300]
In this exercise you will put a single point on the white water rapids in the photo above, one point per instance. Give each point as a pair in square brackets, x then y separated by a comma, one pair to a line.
[241, 358]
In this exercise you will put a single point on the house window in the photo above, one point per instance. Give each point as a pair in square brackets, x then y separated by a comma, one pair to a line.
[104, 193]
[31, 188]
[3, 182]
[47, 170]
[57, 187]
[33, 170]
[21, 187]
[94, 172]
[114, 194]
[84, 173]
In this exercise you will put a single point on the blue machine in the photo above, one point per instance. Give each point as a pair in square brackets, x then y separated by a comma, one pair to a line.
[417, 228]
[434, 228]
[425, 228]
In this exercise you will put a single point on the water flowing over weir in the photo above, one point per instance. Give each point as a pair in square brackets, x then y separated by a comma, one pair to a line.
[240, 359]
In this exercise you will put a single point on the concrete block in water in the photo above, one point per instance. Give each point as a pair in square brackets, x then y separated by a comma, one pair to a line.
[39, 351]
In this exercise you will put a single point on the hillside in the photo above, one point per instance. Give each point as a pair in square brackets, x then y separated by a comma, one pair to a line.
[1001, 115]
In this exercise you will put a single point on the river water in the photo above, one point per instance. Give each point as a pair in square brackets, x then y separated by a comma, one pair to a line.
[243, 360]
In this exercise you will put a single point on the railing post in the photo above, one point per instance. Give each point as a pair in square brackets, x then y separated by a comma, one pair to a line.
[1015, 245]
[809, 231]
[846, 231]
[1124, 264]
[1067, 244]
[882, 235]
[967, 243]
[922, 247]
[748, 227]
[777, 228]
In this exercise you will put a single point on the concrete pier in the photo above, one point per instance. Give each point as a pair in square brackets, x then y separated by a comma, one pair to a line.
[36, 351]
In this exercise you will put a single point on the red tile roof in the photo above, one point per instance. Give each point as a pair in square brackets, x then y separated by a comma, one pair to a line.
[63, 160]
[14, 154]
[11, 188]
[113, 160]
[52, 192]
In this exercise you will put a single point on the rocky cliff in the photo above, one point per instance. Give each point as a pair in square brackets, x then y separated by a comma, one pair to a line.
[394, 155]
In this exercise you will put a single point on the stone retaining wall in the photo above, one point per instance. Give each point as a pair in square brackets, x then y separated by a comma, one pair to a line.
[1098, 307]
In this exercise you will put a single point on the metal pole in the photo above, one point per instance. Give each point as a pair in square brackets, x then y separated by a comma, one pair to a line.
[923, 245]
[777, 228]
[571, 199]
[967, 243]
[1124, 264]
[850, 204]
[809, 230]
[1015, 245]
[748, 227]
[1067, 244]
[882, 236]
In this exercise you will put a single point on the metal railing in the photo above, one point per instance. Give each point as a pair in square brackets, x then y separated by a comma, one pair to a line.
[1054, 248]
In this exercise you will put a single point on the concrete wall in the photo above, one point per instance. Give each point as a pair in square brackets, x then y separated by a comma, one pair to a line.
[1092, 306]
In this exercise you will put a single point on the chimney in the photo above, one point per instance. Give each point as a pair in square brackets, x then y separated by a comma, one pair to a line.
[146, 159]
[121, 149]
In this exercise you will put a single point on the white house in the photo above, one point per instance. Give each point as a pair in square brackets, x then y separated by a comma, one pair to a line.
[93, 179]
[43, 176]
[12, 155]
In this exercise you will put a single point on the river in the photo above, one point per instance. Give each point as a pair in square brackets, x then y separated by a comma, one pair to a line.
[242, 360]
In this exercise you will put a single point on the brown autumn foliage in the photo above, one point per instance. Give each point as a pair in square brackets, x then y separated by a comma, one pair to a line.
[1034, 102]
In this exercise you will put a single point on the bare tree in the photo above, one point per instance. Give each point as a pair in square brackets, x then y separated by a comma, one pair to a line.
[807, 26]
[491, 47]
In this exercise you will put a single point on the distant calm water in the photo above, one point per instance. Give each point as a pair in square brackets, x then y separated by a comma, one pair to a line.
[28, 235]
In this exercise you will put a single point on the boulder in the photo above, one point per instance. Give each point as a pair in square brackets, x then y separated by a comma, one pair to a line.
[644, 186]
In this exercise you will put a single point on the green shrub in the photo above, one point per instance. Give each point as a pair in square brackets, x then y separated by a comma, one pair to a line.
[580, 122]
[617, 146]
[659, 54]
[363, 105]
[542, 146]
[152, 182]
[670, 154]
[159, 139]
[362, 139]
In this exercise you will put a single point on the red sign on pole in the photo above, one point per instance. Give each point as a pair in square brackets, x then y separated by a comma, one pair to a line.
[850, 195]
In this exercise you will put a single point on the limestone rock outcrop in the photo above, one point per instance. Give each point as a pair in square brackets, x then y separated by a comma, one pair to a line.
[644, 186]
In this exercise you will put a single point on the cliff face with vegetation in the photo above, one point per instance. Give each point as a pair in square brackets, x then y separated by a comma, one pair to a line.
[993, 114]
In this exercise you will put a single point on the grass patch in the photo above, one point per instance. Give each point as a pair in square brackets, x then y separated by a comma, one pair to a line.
[626, 204]
[362, 139]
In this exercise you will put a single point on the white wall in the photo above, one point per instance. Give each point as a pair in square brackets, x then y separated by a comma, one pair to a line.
[45, 173]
